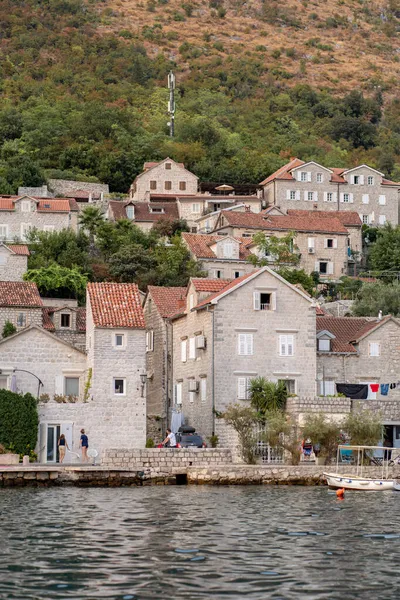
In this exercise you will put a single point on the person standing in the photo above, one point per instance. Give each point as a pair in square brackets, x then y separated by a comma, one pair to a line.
[62, 444]
[170, 440]
[84, 444]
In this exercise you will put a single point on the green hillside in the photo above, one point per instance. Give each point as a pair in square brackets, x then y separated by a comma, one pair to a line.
[83, 88]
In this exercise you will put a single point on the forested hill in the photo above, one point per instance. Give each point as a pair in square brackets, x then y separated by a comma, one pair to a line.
[83, 87]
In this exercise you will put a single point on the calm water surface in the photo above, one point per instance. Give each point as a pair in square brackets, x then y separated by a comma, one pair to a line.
[198, 542]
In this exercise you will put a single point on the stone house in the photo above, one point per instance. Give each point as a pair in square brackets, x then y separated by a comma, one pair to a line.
[116, 349]
[67, 321]
[160, 304]
[13, 261]
[301, 185]
[20, 304]
[20, 214]
[362, 350]
[222, 257]
[257, 325]
[142, 214]
[82, 192]
[323, 245]
[199, 210]
[166, 177]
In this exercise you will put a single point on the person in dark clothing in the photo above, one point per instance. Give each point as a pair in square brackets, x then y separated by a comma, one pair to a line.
[387, 455]
[84, 444]
[62, 444]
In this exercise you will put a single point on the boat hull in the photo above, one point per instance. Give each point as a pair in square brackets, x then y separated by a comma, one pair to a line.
[335, 480]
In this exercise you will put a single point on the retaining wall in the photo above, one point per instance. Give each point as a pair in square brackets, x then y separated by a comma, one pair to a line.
[163, 458]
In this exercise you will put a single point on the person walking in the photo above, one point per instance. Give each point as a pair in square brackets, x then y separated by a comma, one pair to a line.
[62, 444]
[170, 440]
[84, 444]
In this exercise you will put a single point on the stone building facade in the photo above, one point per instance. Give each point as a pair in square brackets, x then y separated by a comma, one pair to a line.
[165, 178]
[20, 304]
[66, 322]
[143, 214]
[19, 215]
[257, 325]
[305, 185]
[200, 211]
[13, 261]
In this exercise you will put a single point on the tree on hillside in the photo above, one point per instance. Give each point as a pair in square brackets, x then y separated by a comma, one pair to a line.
[299, 276]
[384, 255]
[132, 264]
[175, 266]
[375, 297]
[65, 247]
[112, 237]
[90, 220]
[59, 282]
[170, 227]
[277, 250]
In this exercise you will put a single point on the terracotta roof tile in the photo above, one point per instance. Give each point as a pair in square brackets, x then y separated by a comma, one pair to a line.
[309, 221]
[167, 299]
[19, 293]
[143, 211]
[48, 312]
[47, 322]
[116, 305]
[346, 330]
[43, 204]
[20, 249]
[226, 288]
[388, 182]
[200, 244]
[283, 172]
[81, 319]
[210, 285]
[347, 218]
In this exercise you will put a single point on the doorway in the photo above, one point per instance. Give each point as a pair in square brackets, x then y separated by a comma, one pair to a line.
[53, 433]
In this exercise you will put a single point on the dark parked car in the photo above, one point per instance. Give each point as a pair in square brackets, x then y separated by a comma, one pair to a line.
[188, 438]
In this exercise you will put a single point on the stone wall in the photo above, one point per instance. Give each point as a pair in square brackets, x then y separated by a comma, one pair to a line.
[57, 220]
[336, 407]
[12, 266]
[156, 364]
[31, 316]
[164, 458]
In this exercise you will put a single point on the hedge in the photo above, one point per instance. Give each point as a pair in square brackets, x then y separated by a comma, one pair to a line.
[18, 421]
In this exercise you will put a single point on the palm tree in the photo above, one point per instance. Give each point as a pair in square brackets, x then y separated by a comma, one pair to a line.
[90, 220]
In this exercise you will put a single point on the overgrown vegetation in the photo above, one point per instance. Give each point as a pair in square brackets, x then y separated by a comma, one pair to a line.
[18, 422]
[8, 329]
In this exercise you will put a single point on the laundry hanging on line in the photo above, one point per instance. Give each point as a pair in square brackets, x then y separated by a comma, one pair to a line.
[355, 391]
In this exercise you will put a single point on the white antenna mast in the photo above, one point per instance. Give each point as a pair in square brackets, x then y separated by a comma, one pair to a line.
[171, 103]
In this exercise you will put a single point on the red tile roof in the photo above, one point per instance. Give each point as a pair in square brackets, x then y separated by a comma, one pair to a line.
[47, 323]
[48, 312]
[43, 204]
[283, 172]
[320, 311]
[347, 218]
[19, 249]
[150, 165]
[19, 293]
[388, 182]
[143, 211]
[167, 299]
[226, 288]
[210, 285]
[116, 305]
[346, 330]
[200, 244]
[310, 221]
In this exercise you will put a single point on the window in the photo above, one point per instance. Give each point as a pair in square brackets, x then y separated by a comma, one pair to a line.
[327, 387]
[65, 320]
[3, 382]
[329, 243]
[156, 210]
[149, 341]
[290, 385]
[71, 386]
[192, 348]
[130, 211]
[168, 166]
[374, 349]
[25, 229]
[182, 186]
[346, 197]
[243, 384]
[168, 185]
[228, 249]
[196, 208]
[184, 350]
[310, 196]
[292, 195]
[323, 268]
[26, 206]
[370, 180]
[324, 345]
[119, 386]
[365, 198]
[286, 345]
[365, 219]
[203, 389]
[153, 185]
[21, 320]
[303, 176]
[218, 274]
[319, 177]
[237, 274]
[119, 340]
[382, 219]
[245, 344]
[382, 200]
[329, 196]
[178, 393]
[356, 179]
[3, 232]
[264, 301]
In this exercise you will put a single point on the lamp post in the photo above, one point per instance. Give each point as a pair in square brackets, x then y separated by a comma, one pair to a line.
[33, 374]
[143, 380]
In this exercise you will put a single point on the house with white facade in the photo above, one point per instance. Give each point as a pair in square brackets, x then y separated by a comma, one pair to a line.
[305, 185]
[20, 214]
[164, 178]
[257, 325]
[143, 214]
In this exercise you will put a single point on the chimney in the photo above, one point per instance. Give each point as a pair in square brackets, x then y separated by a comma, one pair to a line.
[380, 316]
[90, 197]
[247, 208]
[101, 196]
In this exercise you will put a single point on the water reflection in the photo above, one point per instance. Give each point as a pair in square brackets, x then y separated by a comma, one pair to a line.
[198, 542]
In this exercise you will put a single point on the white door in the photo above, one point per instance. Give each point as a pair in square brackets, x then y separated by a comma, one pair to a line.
[67, 429]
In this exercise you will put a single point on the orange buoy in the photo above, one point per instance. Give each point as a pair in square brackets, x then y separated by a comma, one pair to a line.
[340, 493]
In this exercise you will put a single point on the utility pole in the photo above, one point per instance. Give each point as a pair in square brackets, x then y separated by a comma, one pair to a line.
[171, 103]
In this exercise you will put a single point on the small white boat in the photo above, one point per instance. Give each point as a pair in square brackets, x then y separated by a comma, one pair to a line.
[358, 481]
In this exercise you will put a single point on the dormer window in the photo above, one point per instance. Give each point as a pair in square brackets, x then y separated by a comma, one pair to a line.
[65, 320]
[324, 345]
[130, 212]
[228, 249]
[26, 206]
[156, 210]
[324, 341]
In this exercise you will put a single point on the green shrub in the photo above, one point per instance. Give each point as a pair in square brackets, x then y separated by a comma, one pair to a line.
[18, 421]
[8, 329]
[150, 443]
[178, 16]
[276, 53]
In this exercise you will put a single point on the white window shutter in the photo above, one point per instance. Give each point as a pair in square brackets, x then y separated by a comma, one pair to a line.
[334, 242]
[59, 385]
[311, 242]
[325, 196]
[298, 175]
[298, 195]
[341, 197]
[282, 345]
[316, 267]
[330, 268]
[305, 195]
[203, 389]
[241, 344]
[351, 197]
[179, 393]
[325, 243]
[334, 196]
[256, 300]
[290, 345]
[362, 179]
[250, 344]
[184, 350]
[273, 301]
[287, 194]
[242, 385]
[192, 348]
[308, 175]
[315, 196]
